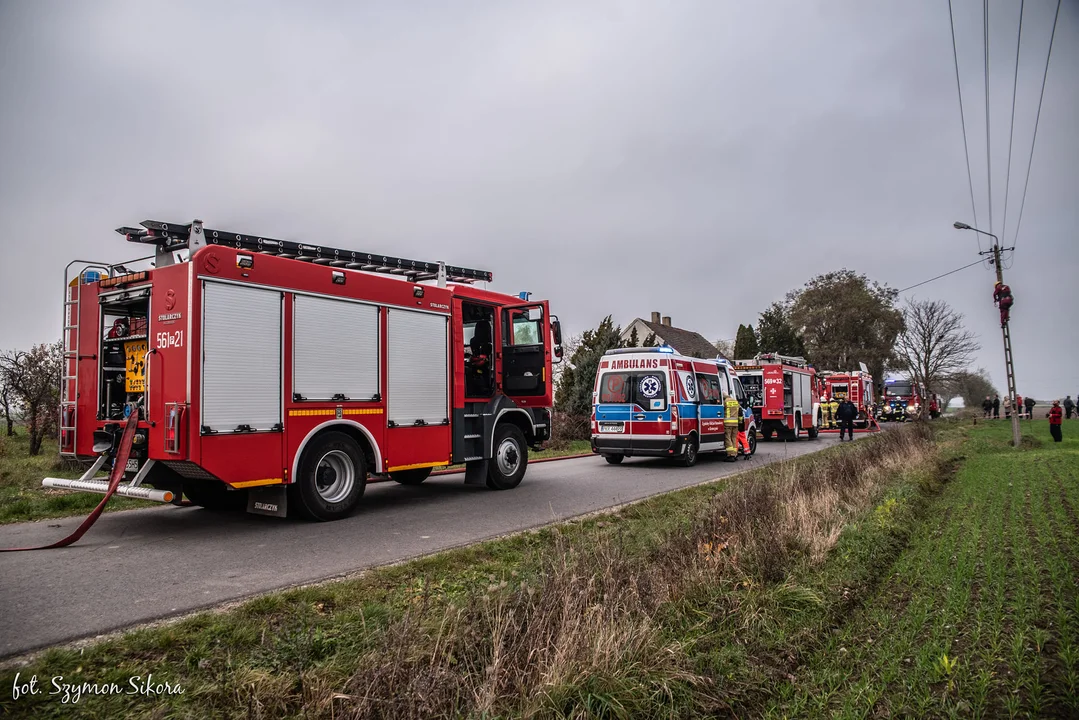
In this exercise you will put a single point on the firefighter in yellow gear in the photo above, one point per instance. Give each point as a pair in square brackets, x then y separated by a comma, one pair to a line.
[826, 413]
[732, 414]
[833, 413]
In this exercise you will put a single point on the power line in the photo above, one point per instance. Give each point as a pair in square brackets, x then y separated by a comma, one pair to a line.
[1011, 130]
[938, 277]
[1037, 119]
[963, 122]
[988, 154]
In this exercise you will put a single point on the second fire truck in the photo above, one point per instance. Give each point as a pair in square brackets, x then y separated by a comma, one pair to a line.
[857, 385]
[785, 395]
[281, 375]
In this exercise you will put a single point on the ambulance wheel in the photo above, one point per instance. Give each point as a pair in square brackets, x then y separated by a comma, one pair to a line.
[751, 437]
[332, 478]
[214, 495]
[411, 477]
[507, 468]
[689, 455]
[614, 459]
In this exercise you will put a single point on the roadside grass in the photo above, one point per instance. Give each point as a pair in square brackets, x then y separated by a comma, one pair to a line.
[980, 615]
[701, 602]
[23, 499]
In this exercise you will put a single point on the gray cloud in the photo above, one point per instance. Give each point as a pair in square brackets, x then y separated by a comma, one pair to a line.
[697, 158]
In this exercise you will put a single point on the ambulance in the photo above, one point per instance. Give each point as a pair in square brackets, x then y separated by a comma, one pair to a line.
[653, 402]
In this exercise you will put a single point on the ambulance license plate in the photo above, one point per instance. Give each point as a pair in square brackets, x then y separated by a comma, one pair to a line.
[611, 427]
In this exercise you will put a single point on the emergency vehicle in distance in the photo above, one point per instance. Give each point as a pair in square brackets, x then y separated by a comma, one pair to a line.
[654, 402]
[280, 374]
[901, 400]
[855, 384]
[785, 395]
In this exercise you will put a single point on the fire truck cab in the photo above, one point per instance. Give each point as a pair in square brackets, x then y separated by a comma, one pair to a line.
[653, 402]
[901, 400]
[784, 393]
[277, 375]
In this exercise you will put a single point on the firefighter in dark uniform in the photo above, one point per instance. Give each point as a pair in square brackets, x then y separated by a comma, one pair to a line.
[847, 413]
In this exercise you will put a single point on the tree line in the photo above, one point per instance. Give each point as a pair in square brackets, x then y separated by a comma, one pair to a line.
[835, 321]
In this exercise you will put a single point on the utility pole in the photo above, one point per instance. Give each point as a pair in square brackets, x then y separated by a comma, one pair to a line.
[1009, 365]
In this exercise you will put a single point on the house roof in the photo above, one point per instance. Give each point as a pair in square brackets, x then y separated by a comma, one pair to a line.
[685, 342]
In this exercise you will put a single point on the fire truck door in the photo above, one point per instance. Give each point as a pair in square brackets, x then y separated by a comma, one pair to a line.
[524, 351]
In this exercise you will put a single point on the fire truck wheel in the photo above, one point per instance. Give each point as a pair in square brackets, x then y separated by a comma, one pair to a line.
[507, 467]
[614, 459]
[332, 478]
[411, 477]
[813, 432]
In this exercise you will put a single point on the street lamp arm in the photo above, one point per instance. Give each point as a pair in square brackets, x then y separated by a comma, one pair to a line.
[964, 226]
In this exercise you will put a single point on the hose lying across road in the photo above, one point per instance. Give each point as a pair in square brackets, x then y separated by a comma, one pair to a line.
[118, 466]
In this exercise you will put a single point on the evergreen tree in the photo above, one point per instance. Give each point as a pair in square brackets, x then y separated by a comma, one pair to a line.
[745, 342]
[574, 395]
[633, 341]
[649, 341]
[775, 333]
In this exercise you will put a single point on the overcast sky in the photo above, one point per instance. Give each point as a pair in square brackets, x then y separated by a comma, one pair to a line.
[696, 158]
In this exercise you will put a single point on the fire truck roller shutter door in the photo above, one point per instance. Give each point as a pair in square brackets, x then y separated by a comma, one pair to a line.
[241, 345]
[335, 349]
[418, 372]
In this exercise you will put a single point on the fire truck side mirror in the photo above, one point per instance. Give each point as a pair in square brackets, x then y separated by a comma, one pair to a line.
[558, 353]
[556, 328]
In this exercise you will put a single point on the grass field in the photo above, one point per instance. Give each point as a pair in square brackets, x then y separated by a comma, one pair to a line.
[980, 615]
[21, 496]
[901, 575]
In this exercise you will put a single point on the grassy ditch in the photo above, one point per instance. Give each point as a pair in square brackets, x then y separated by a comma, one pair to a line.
[703, 601]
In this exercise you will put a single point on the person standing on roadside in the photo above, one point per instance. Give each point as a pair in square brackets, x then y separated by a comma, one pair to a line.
[847, 412]
[1054, 421]
[1029, 404]
[732, 415]
[1019, 404]
[996, 406]
[987, 407]
[1069, 407]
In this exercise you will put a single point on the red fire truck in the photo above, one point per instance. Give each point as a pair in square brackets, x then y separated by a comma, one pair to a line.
[281, 375]
[856, 385]
[785, 394]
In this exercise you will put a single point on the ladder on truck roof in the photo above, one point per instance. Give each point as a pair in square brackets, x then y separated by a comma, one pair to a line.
[169, 237]
[793, 361]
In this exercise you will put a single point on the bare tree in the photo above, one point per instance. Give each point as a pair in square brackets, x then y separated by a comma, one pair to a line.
[8, 403]
[34, 378]
[725, 348]
[934, 346]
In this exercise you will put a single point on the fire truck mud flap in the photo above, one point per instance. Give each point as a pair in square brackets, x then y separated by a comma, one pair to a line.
[271, 501]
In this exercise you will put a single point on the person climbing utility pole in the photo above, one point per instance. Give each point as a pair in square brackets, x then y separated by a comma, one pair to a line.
[1002, 296]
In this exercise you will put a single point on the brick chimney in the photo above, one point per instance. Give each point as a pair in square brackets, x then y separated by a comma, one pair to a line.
[655, 317]
[667, 320]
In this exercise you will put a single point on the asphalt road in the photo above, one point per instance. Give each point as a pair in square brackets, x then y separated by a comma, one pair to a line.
[141, 565]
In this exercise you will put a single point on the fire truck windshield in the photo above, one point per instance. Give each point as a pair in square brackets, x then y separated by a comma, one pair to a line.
[840, 390]
[899, 389]
[753, 385]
